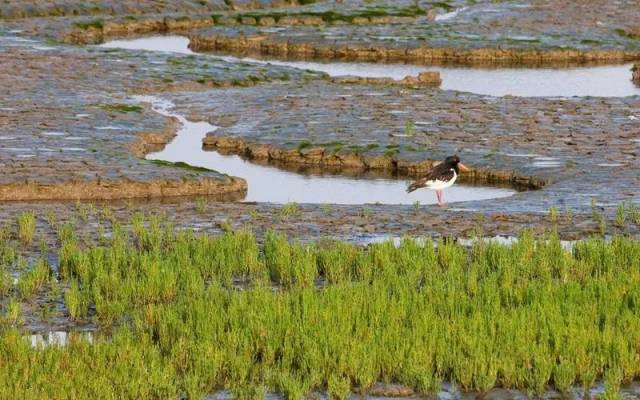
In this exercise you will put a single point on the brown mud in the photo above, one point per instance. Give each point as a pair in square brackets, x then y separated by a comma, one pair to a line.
[265, 46]
[105, 190]
[423, 79]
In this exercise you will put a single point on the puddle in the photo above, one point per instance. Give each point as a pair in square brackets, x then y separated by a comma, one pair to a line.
[273, 185]
[54, 133]
[450, 391]
[449, 15]
[602, 81]
[57, 338]
[610, 165]
[367, 240]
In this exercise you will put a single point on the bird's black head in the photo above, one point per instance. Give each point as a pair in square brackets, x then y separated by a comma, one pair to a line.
[454, 162]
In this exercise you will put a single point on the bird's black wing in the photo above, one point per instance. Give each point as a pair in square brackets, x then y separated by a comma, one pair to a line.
[440, 172]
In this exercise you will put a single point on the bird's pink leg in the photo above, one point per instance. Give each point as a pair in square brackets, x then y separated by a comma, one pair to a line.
[439, 196]
[442, 197]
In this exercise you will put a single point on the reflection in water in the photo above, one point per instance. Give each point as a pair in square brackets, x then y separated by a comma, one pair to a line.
[604, 81]
[451, 391]
[270, 184]
[421, 241]
[57, 338]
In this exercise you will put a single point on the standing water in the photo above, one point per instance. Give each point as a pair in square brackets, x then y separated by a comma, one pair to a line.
[603, 81]
[273, 185]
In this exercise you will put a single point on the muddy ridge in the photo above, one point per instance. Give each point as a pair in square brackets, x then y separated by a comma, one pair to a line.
[426, 79]
[96, 32]
[325, 157]
[148, 142]
[109, 190]
[264, 46]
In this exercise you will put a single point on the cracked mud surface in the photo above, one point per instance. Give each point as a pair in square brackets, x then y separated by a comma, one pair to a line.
[536, 31]
[67, 119]
[67, 125]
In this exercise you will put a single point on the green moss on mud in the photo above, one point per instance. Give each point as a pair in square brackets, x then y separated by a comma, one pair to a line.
[95, 24]
[122, 108]
[181, 164]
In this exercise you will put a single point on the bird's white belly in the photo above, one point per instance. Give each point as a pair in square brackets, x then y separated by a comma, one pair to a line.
[437, 184]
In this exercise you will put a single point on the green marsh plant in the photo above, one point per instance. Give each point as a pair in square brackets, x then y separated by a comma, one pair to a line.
[26, 226]
[190, 313]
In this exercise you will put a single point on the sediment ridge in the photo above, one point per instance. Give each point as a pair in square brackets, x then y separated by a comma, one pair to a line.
[263, 45]
[324, 157]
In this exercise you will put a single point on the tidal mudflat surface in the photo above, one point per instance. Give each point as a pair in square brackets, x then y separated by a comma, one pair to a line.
[191, 296]
[71, 133]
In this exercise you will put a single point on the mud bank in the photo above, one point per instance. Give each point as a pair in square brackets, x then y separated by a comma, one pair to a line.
[95, 32]
[107, 190]
[427, 78]
[567, 80]
[265, 46]
[154, 141]
[329, 158]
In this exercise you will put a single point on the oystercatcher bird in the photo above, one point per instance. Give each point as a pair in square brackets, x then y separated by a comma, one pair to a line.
[440, 177]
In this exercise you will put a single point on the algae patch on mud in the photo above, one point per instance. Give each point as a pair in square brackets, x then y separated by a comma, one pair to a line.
[122, 108]
[181, 164]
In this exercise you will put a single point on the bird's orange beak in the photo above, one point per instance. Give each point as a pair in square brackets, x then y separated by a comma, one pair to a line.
[463, 168]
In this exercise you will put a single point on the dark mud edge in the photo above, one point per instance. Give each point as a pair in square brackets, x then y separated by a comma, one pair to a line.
[107, 190]
[265, 46]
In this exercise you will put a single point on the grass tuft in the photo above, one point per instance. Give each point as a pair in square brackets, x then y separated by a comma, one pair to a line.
[26, 226]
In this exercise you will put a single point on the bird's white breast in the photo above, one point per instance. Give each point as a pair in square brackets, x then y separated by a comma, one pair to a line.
[437, 184]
